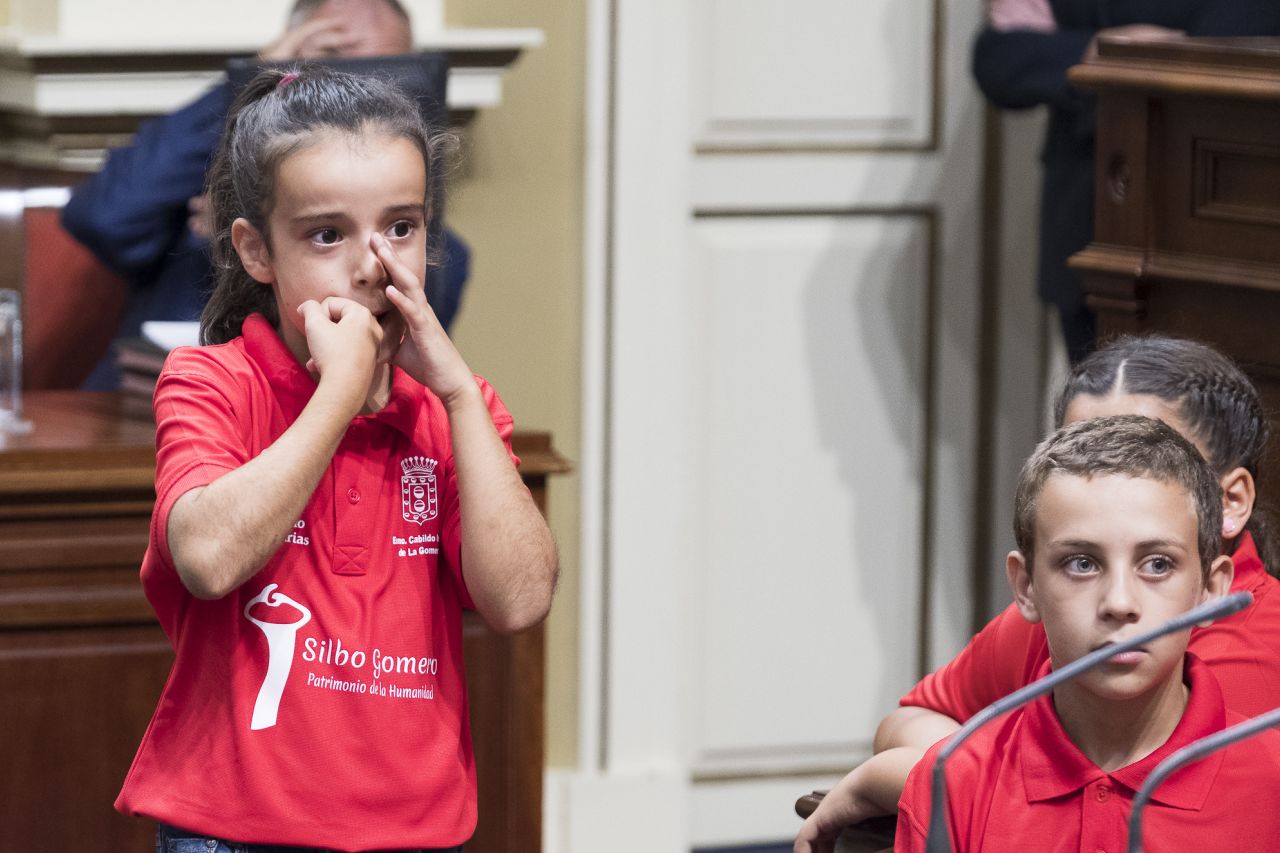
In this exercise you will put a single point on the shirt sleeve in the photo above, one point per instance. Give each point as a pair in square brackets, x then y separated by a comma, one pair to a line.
[132, 212]
[451, 530]
[914, 807]
[1004, 656]
[1019, 69]
[199, 436]
[1235, 18]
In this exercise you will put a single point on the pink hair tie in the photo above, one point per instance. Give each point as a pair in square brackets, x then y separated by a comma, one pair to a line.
[287, 79]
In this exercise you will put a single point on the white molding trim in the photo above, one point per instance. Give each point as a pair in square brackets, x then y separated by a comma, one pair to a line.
[595, 383]
[77, 80]
[36, 45]
[141, 93]
[618, 813]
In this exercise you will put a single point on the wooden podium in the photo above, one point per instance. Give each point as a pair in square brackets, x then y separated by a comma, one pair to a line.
[1187, 214]
[82, 659]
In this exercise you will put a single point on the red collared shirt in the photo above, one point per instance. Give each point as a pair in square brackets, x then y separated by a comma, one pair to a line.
[1243, 650]
[1020, 784]
[322, 703]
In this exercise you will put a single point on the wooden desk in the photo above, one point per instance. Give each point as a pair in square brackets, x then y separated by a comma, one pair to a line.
[1187, 214]
[82, 660]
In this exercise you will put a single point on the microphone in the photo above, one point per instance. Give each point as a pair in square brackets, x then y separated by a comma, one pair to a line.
[939, 838]
[1193, 751]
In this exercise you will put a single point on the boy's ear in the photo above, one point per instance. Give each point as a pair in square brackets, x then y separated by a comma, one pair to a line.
[252, 249]
[1221, 573]
[1018, 572]
[1238, 495]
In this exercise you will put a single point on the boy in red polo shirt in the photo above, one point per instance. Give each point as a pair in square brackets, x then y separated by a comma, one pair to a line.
[1117, 522]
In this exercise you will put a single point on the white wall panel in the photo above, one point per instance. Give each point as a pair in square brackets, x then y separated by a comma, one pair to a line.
[812, 366]
[781, 361]
[832, 73]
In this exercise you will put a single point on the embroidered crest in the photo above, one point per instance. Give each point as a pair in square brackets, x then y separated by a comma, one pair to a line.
[418, 489]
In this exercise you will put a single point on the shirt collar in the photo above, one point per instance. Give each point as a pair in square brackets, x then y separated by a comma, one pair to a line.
[1052, 766]
[293, 385]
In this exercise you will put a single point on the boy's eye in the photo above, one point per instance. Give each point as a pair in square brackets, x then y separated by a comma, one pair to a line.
[1158, 566]
[1081, 565]
[325, 236]
[403, 228]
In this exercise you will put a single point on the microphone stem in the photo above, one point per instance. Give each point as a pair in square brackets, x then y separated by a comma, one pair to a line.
[1192, 752]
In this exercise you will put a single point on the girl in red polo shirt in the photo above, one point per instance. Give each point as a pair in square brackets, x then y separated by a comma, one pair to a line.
[1206, 397]
[333, 488]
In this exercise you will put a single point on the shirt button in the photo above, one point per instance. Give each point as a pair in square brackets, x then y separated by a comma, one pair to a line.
[1103, 793]
[353, 496]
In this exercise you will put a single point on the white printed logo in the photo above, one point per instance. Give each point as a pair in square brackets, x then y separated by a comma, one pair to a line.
[280, 641]
[418, 489]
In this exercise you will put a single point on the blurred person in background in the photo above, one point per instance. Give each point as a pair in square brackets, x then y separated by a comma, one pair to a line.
[1020, 60]
[144, 214]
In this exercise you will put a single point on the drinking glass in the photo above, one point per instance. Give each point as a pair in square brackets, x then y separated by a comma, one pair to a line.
[11, 363]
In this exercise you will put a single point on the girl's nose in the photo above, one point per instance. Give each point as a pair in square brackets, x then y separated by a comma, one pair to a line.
[369, 269]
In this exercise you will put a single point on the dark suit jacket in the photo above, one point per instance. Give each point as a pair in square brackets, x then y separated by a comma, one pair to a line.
[1020, 69]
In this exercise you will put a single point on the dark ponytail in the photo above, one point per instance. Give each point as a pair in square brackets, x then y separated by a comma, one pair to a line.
[1211, 394]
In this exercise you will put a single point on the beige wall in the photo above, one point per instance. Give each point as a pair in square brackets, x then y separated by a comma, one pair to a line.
[517, 200]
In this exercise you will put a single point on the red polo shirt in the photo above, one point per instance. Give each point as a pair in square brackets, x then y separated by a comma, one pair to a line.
[1243, 650]
[1020, 784]
[322, 703]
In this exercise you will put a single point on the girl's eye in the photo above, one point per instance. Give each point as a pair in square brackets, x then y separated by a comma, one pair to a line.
[403, 228]
[325, 236]
[1081, 565]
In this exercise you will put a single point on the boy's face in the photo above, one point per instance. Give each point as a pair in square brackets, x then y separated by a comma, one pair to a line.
[1114, 556]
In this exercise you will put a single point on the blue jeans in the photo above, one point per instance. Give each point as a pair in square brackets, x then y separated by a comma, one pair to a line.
[170, 839]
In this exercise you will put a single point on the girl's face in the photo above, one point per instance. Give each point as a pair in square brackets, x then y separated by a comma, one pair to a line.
[1237, 485]
[1085, 406]
[331, 197]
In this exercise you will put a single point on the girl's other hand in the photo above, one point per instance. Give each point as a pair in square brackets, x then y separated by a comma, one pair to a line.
[426, 353]
[342, 340]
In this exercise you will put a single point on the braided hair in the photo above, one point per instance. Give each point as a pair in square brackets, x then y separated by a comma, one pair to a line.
[1210, 393]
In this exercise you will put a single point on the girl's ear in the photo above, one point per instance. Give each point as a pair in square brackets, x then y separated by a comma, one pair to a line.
[1238, 495]
[252, 249]
[1019, 575]
[1221, 572]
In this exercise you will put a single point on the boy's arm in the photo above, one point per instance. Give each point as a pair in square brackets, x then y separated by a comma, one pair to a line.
[221, 534]
[869, 790]
[1000, 659]
[874, 787]
[914, 727]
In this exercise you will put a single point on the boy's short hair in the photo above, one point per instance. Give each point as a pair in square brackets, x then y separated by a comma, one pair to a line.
[1129, 445]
